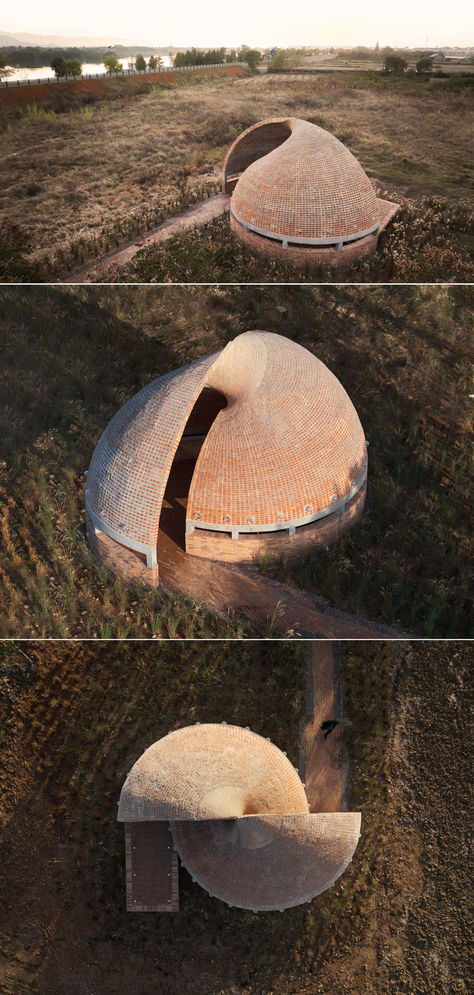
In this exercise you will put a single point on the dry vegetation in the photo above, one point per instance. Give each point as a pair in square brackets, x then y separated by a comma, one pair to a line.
[70, 357]
[75, 718]
[81, 182]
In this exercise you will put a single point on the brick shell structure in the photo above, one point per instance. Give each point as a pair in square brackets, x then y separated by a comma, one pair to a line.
[299, 194]
[210, 771]
[239, 819]
[278, 446]
[268, 862]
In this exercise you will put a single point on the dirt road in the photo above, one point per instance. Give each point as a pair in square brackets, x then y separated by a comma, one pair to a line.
[193, 218]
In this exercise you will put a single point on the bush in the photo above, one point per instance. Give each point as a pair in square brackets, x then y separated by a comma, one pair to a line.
[424, 65]
[394, 64]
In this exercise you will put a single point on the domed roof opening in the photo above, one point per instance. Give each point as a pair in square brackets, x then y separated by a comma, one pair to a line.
[254, 143]
[307, 192]
[239, 817]
[261, 438]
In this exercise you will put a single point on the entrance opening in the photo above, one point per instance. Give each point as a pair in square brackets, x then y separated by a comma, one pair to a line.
[258, 143]
[173, 510]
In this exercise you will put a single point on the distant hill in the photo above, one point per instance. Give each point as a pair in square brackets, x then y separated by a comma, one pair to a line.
[72, 41]
[8, 40]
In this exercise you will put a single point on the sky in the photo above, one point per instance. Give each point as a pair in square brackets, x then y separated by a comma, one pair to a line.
[260, 23]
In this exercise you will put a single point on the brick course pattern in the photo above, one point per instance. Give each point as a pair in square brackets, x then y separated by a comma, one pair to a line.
[210, 771]
[239, 819]
[299, 194]
[325, 531]
[285, 448]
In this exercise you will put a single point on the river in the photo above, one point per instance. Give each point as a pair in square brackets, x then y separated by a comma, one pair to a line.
[88, 69]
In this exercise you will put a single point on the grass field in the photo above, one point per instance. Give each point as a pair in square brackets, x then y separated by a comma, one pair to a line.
[75, 184]
[74, 720]
[69, 357]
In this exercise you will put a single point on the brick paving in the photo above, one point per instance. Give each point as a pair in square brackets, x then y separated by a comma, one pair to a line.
[151, 868]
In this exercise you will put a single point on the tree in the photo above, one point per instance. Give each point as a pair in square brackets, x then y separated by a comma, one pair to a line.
[251, 56]
[278, 61]
[424, 65]
[4, 72]
[140, 63]
[112, 64]
[73, 67]
[394, 64]
[154, 61]
[58, 66]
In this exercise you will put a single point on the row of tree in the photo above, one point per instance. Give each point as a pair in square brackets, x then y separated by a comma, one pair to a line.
[73, 67]
[215, 56]
[395, 64]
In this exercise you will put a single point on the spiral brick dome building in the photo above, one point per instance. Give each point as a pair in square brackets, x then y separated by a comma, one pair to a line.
[299, 194]
[274, 452]
[239, 818]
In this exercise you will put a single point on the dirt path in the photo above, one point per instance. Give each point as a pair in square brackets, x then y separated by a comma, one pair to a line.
[193, 218]
[324, 758]
[266, 604]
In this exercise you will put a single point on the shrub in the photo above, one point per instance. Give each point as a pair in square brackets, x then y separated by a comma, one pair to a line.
[394, 64]
[424, 65]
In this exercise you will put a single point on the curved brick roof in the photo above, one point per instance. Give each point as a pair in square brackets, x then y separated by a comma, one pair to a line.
[210, 771]
[239, 816]
[287, 448]
[130, 465]
[269, 862]
[301, 184]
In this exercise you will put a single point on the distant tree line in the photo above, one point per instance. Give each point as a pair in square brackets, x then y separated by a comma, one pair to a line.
[285, 58]
[215, 56]
[199, 57]
[33, 56]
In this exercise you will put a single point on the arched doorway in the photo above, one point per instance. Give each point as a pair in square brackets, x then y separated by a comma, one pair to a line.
[173, 509]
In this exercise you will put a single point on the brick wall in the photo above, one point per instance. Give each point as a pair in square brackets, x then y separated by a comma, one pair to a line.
[251, 145]
[122, 561]
[305, 258]
[325, 531]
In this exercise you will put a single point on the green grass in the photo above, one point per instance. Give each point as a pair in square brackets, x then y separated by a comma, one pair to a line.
[402, 353]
